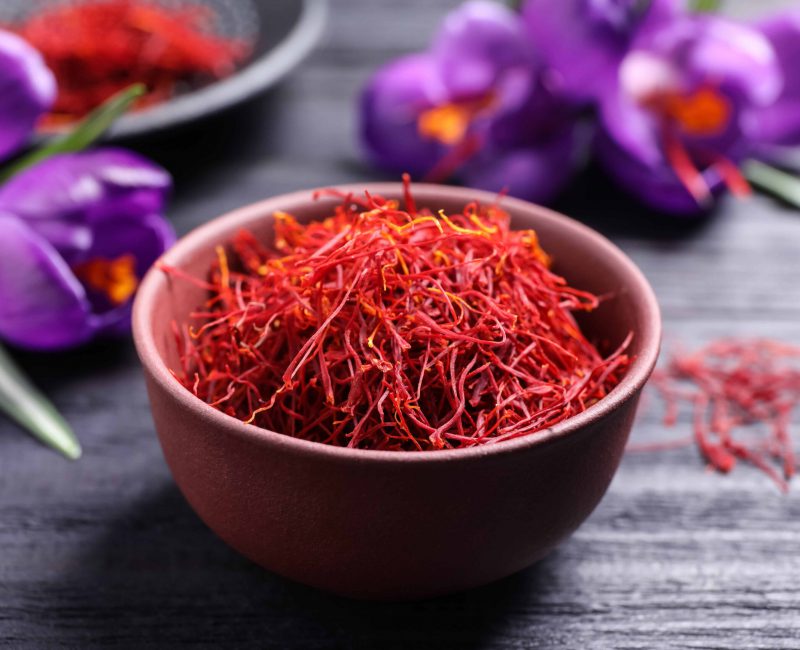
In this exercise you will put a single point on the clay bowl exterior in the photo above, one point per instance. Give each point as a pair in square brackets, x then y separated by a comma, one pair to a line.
[396, 525]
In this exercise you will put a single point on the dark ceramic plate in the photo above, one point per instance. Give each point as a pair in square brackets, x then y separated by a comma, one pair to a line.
[283, 32]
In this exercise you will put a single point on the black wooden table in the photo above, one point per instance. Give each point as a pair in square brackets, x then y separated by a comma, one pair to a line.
[106, 552]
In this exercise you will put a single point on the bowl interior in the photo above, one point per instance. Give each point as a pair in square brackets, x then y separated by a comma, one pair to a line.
[583, 257]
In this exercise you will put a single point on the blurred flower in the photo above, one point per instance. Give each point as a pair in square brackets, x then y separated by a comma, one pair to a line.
[532, 151]
[584, 41]
[475, 105]
[28, 91]
[394, 108]
[683, 113]
[687, 105]
[79, 231]
[779, 123]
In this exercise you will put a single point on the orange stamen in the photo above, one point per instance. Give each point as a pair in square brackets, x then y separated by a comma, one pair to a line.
[449, 123]
[116, 279]
[703, 112]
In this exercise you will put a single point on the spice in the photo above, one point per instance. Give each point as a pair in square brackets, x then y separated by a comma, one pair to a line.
[383, 328]
[98, 48]
[742, 394]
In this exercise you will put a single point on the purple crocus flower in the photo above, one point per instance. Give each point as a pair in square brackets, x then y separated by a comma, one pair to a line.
[474, 106]
[584, 41]
[78, 232]
[531, 152]
[682, 114]
[27, 91]
[779, 123]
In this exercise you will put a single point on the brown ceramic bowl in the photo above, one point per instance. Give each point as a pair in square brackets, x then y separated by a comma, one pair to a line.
[383, 524]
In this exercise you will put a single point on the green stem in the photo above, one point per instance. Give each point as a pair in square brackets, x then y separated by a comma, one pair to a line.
[773, 181]
[705, 6]
[84, 134]
[24, 403]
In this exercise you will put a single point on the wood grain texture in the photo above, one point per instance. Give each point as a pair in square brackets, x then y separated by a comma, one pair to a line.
[105, 552]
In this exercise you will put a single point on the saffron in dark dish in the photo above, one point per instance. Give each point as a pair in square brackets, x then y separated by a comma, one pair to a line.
[98, 48]
[393, 329]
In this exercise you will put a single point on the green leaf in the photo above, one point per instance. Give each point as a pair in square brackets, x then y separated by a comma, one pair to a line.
[25, 404]
[773, 181]
[705, 6]
[84, 134]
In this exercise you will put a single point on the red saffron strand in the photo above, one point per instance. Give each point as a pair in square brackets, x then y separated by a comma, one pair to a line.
[384, 328]
[685, 169]
[97, 48]
[744, 393]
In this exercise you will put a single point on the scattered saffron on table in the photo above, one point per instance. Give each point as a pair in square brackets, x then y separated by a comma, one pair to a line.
[742, 394]
[96, 48]
[394, 329]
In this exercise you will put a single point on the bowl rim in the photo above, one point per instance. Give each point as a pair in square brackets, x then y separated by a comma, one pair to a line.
[155, 281]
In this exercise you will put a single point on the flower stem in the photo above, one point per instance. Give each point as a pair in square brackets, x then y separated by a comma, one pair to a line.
[705, 6]
[773, 181]
[83, 134]
[25, 404]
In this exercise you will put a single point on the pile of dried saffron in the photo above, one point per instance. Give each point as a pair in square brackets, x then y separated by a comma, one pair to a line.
[97, 48]
[733, 386]
[380, 328]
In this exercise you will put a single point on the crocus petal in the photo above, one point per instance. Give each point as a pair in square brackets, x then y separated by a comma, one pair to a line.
[146, 238]
[632, 128]
[27, 91]
[66, 196]
[655, 185]
[536, 173]
[483, 48]
[390, 106]
[779, 123]
[42, 304]
[583, 41]
[628, 147]
[710, 47]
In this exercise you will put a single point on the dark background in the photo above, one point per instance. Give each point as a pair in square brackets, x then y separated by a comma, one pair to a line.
[105, 551]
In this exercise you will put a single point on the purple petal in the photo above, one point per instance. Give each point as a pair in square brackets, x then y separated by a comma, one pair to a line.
[537, 173]
[390, 106]
[540, 117]
[27, 91]
[633, 129]
[583, 41]
[96, 205]
[65, 197]
[655, 185]
[629, 149]
[779, 123]
[42, 304]
[692, 54]
[481, 48]
[731, 55]
[146, 238]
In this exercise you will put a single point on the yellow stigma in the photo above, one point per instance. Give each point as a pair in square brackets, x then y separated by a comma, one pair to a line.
[702, 112]
[116, 279]
[447, 123]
